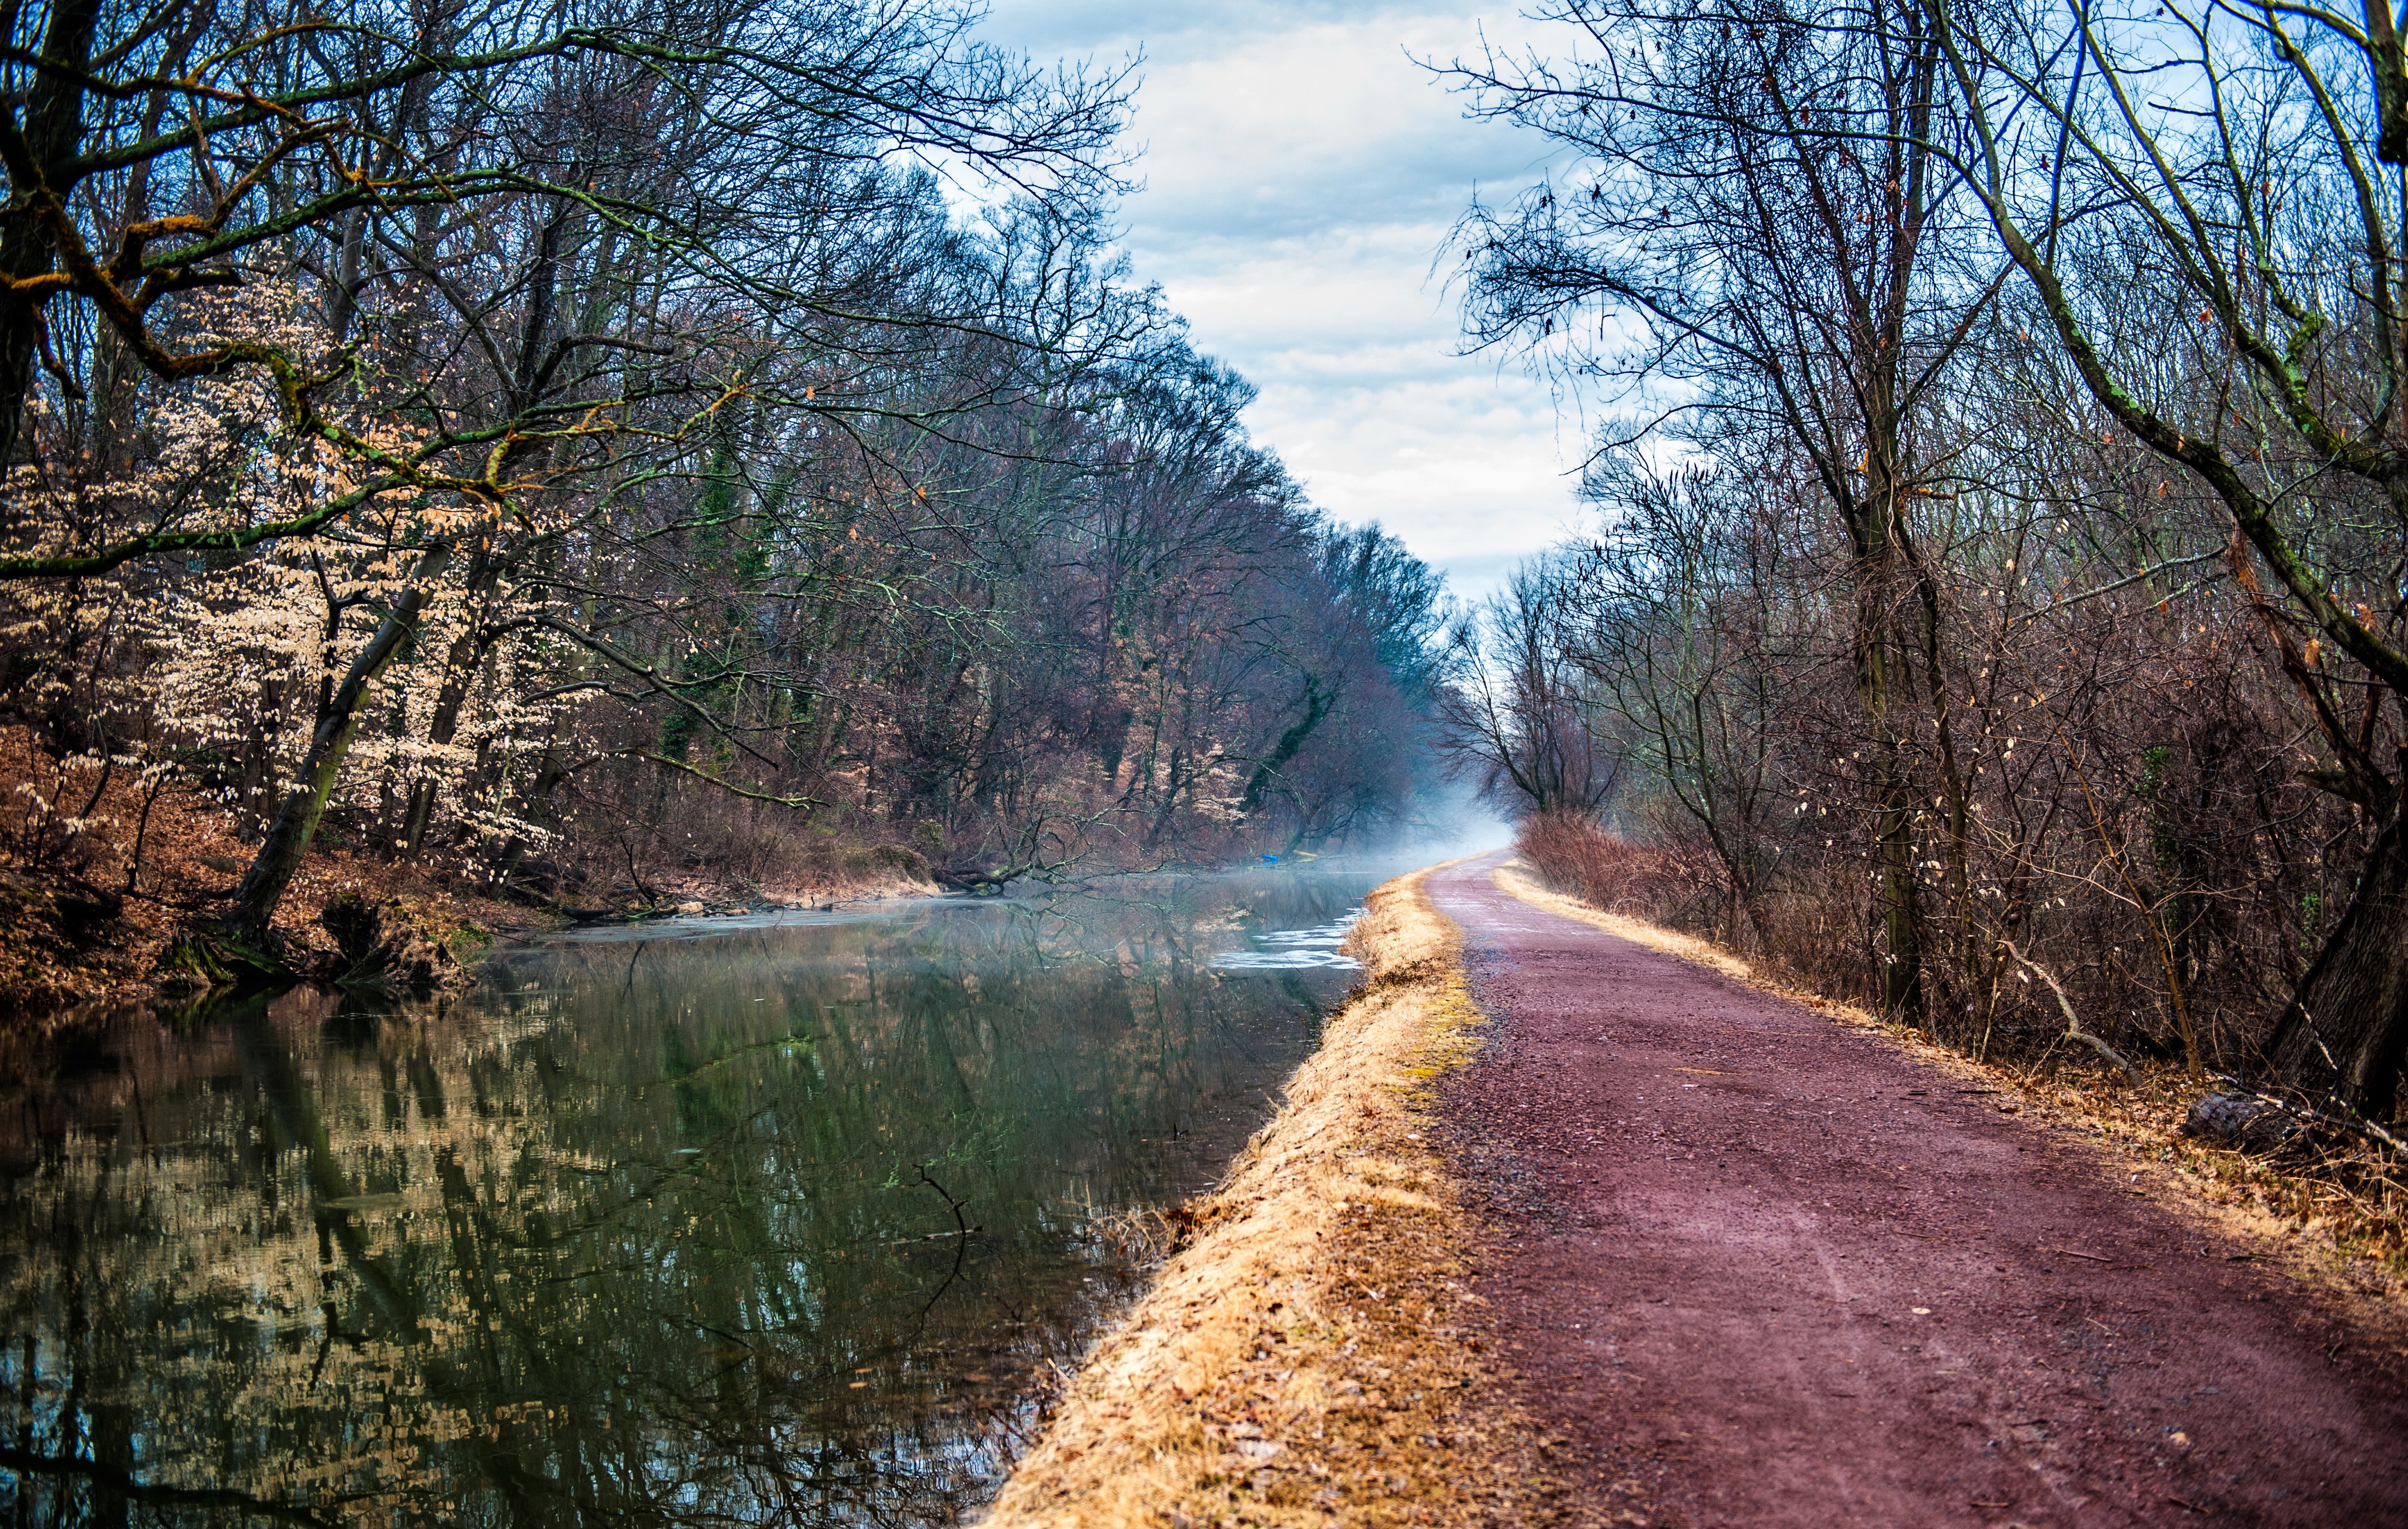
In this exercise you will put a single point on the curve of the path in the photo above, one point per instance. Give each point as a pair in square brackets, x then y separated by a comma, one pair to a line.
[1758, 1269]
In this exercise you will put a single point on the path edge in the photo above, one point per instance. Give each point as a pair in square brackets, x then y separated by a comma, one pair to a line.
[2207, 1187]
[1319, 1319]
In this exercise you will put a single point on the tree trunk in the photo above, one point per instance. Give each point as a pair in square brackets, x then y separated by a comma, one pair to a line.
[1316, 706]
[2343, 1041]
[459, 668]
[54, 135]
[1879, 684]
[1901, 913]
[2385, 61]
[1169, 800]
[338, 720]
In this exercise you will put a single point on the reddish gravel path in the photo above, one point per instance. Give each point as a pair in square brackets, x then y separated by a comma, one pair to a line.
[1716, 1223]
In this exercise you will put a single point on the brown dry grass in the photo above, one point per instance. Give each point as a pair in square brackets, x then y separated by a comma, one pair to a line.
[2348, 1238]
[1312, 1355]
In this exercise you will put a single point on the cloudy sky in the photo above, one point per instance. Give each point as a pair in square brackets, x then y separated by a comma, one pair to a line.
[1300, 172]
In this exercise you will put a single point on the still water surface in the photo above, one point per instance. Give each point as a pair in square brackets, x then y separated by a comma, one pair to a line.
[778, 1221]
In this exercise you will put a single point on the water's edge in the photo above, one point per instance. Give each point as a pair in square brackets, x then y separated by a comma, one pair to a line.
[780, 1217]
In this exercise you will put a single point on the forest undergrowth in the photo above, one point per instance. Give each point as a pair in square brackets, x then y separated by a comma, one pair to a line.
[100, 868]
[2334, 1198]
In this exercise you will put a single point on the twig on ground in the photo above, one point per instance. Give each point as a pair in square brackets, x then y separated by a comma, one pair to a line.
[2073, 1031]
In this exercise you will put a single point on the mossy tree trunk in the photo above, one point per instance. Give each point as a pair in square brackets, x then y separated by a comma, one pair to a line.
[2343, 1040]
[249, 923]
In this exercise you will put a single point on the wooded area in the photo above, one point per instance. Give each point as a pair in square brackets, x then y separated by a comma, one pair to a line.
[1998, 585]
[562, 448]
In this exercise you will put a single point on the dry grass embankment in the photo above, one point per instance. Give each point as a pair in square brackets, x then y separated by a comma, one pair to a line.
[2349, 1238]
[1310, 1355]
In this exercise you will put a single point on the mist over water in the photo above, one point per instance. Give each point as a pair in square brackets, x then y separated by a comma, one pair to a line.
[782, 1220]
[1464, 826]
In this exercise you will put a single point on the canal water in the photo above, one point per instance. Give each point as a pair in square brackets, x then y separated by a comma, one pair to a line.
[784, 1220]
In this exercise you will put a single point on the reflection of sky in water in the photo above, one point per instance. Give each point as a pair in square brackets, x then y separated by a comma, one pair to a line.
[770, 1219]
[704, 926]
[1296, 950]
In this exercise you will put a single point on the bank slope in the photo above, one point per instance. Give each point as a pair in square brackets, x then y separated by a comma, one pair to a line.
[1310, 1350]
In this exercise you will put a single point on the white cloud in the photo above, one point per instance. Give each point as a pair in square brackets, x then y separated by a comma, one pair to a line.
[1300, 173]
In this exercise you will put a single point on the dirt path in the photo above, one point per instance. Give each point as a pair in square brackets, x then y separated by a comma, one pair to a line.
[1756, 1269]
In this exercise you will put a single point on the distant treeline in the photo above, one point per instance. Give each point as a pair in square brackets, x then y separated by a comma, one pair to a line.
[2003, 516]
[561, 445]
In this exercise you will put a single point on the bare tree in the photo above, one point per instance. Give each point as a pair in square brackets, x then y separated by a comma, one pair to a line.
[2264, 357]
[1521, 713]
[508, 303]
[1754, 225]
[1680, 608]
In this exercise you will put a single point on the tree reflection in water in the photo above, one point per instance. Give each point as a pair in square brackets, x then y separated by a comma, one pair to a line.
[641, 1232]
